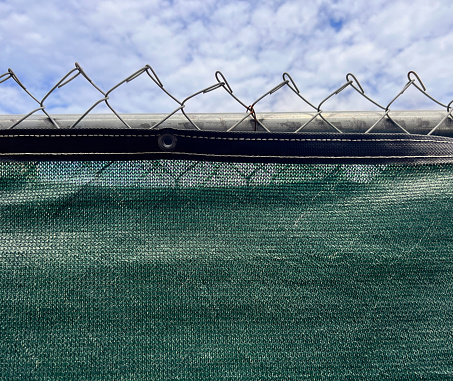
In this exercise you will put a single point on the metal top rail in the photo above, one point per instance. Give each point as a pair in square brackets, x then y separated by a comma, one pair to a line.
[414, 122]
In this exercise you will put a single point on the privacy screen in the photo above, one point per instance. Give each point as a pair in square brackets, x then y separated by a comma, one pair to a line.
[180, 269]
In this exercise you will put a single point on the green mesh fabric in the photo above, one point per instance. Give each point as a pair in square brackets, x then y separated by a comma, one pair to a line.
[186, 270]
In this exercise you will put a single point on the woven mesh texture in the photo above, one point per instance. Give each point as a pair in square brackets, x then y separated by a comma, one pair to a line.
[192, 270]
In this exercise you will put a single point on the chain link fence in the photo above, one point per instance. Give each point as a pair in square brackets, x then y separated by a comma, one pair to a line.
[257, 121]
[216, 269]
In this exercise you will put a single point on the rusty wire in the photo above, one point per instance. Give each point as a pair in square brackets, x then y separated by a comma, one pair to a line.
[222, 83]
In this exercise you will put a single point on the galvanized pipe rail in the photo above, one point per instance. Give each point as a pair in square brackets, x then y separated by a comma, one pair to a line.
[414, 122]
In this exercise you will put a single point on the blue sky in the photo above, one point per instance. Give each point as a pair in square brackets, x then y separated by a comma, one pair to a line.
[251, 42]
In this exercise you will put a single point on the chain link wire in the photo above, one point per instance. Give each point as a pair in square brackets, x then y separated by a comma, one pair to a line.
[251, 112]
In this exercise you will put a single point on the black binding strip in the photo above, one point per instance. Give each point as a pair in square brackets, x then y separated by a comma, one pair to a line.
[127, 144]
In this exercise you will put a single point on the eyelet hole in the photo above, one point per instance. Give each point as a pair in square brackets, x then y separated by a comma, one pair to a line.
[167, 142]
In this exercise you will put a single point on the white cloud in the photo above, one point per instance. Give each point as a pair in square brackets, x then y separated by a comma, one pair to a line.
[251, 42]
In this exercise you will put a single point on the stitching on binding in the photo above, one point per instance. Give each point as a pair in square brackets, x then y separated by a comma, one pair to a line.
[224, 138]
[221, 155]
[313, 139]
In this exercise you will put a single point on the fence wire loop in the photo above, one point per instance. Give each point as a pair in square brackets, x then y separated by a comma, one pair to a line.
[80, 71]
[152, 74]
[11, 74]
[223, 81]
[290, 83]
[413, 79]
[354, 79]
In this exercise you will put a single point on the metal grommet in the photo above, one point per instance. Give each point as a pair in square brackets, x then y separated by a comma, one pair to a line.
[167, 142]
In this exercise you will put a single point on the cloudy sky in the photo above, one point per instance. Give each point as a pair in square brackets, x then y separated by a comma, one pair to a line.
[251, 42]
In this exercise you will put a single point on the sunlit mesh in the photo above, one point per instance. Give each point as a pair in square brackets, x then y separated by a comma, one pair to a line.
[206, 270]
